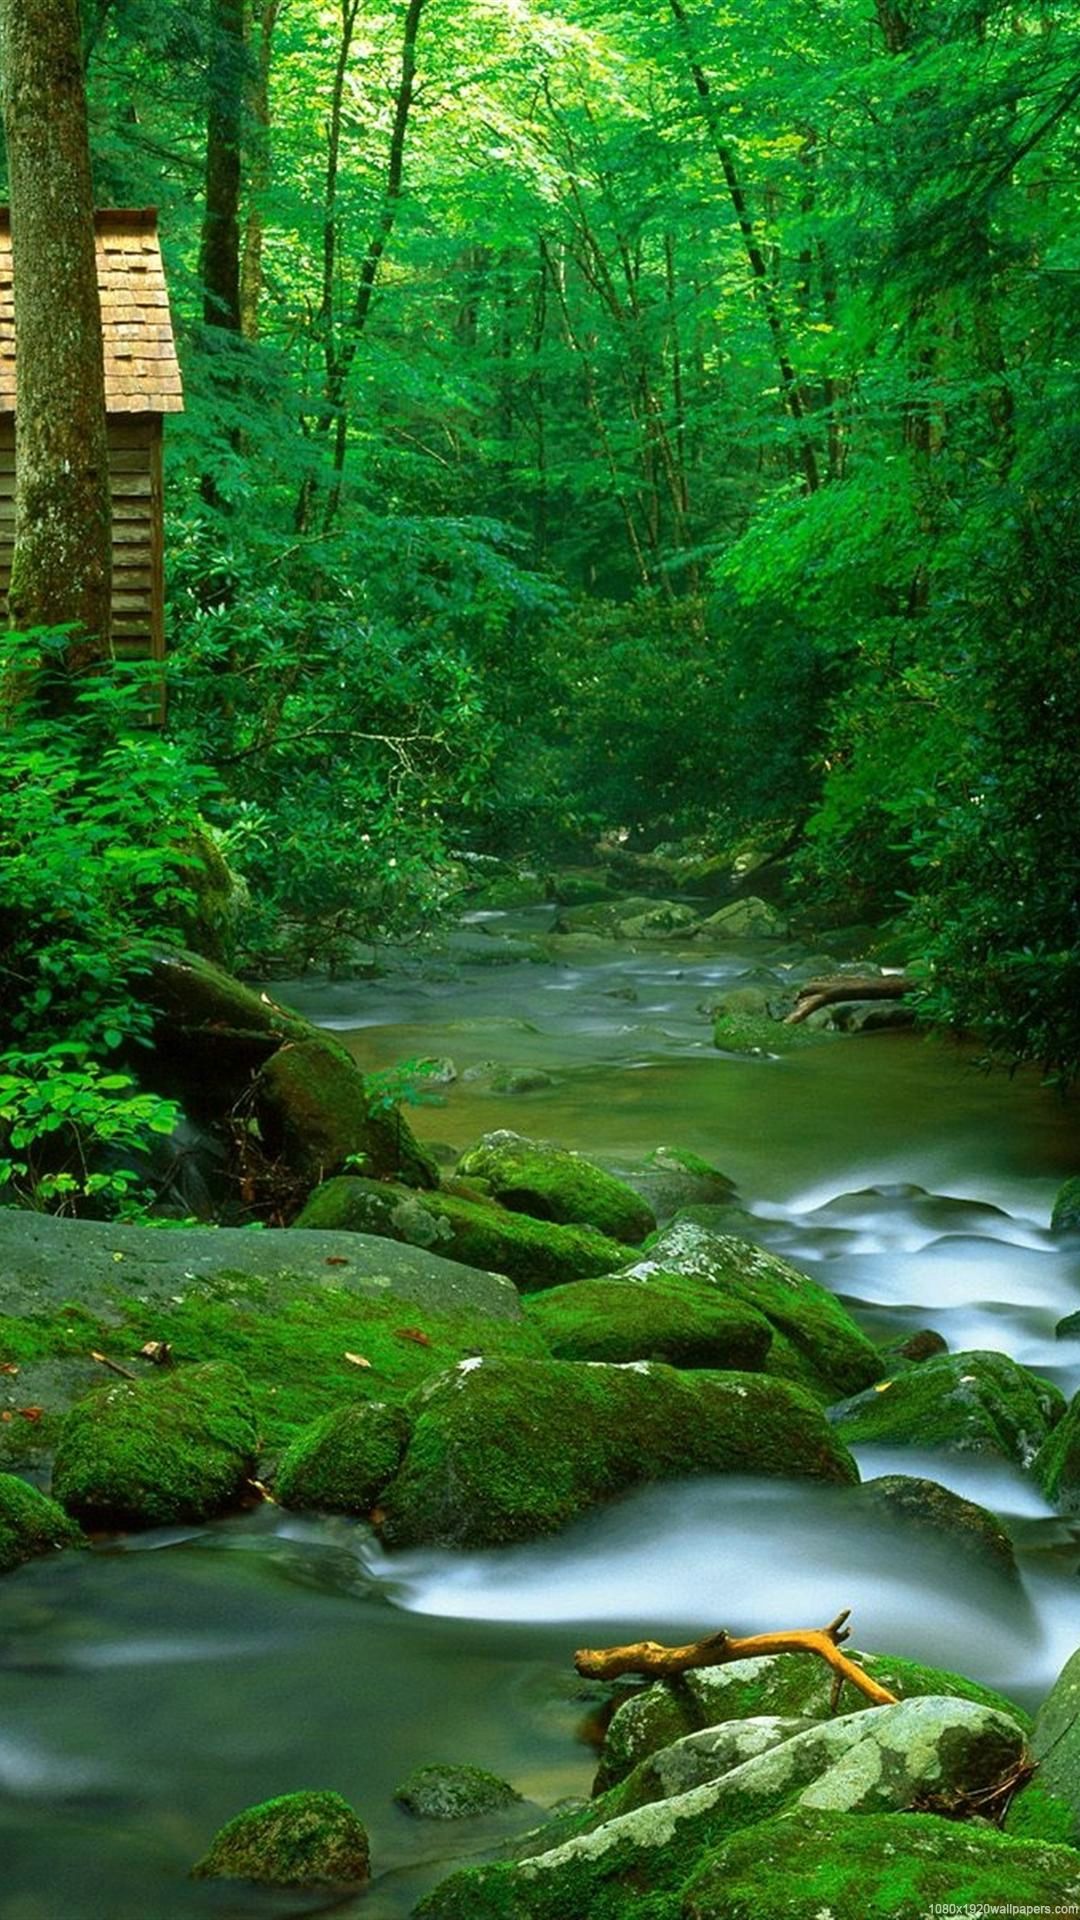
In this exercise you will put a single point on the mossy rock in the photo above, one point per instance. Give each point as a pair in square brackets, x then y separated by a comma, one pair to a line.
[750, 918]
[454, 1793]
[1048, 1807]
[670, 1178]
[1056, 1466]
[925, 1507]
[667, 920]
[342, 1462]
[297, 1840]
[31, 1524]
[510, 891]
[208, 921]
[757, 1034]
[784, 1685]
[158, 1452]
[1065, 1217]
[549, 1182]
[816, 1342]
[533, 1253]
[965, 1402]
[313, 1110]
[507, 1450]
[684, 1322]
[851, 1866]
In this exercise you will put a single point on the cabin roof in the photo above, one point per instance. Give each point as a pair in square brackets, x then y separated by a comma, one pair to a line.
[142, 374]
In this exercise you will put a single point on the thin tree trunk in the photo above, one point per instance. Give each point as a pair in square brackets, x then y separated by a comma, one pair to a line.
[220, 259]
[62, 564]
[261, 45]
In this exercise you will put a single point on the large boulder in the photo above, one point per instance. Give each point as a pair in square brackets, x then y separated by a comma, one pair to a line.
[507, 1450]
[30, 1524]
[297, 1840]
[533, 1253]
[552, 1183]
[158, 1452]
[815, 1341]
[341, 1463]
[314, 1115]
[963, 1402]
[1048, 1807]
[1056, 1466]
[683, 1321]
[936, 1750]
[747, 919]
[809, 1864]
[779, 1685]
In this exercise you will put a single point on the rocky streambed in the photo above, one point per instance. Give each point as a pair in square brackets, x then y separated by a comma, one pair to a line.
[836, 1374]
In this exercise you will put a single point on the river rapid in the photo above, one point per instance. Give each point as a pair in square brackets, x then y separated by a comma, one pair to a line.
[154, 1687]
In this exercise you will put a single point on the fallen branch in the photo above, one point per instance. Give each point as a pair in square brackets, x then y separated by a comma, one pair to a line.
[113, 1366]
[847, 986]
[666, 1663]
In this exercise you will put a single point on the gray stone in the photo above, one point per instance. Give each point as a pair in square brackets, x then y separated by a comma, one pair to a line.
[454, 1793]
[746, 919]
[1048, 1808]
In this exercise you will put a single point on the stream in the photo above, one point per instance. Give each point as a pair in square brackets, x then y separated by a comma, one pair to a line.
[155, 1686]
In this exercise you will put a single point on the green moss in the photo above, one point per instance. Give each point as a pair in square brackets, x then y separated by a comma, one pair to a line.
[313, 1110]
[551, 1183]
[1056, 1466]
[1037, 1813]
[973, 1402]
[534, 1253]
[756, 1034]
[816, 1342]
[512, 1450]
[30, 1524]
[680, 1320]
[297, 1840]
[874, 1867]
[454, 1793]
[1066, 1215]
[342, 1463]
[158, 1451]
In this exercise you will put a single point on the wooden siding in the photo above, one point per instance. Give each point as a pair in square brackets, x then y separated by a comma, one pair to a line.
[138, 557]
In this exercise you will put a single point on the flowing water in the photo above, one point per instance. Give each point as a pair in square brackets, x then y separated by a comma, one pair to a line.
[151, 1689]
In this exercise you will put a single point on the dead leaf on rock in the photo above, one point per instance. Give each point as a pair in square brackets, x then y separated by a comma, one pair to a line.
[158, 1352]
[31, 1413]
[336, 1260]
[357, 1360]
[415, 1334]
[8, 1366]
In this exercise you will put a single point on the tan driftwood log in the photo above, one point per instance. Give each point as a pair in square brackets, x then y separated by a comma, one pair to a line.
[847, 986]
[665, 1663]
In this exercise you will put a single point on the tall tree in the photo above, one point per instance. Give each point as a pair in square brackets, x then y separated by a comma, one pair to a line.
[220, 263]
[62, 565]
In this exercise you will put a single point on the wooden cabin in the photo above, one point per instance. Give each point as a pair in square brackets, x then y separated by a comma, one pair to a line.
[142, 385]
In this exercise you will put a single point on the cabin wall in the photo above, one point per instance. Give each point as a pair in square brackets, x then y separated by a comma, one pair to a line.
[135, 467]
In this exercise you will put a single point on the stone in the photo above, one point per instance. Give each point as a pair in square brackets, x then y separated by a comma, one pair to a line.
[747, 919]
[516, 1080]
[550, 1182]
[667, 920]
[454, 1793]
[31, 1524]
[314, 1114]
[807, 1865]
[757, 1034]
[926, 1507]
[681, 1321]
[506, 1450]
[912, 1349]
[1056, 1466]
[1048, 1807]
[865, 1764]
[670, 1178]
[158, 1452]
[816, 1343]
[964, 1402]
[342, 1462]
[1065, 1217]
[871, 1016]
[779, 1685]
[533, 1253]
[297, 1840]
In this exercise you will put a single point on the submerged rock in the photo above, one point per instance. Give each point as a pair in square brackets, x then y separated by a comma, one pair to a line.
[533, 1253]
[967, 1402]
[297, 1840]
[1048, 1807]
[928, 1507]
[157, 1452]
[1057, 1464]
[550, 1182]
[507, 1450]
[1065, 1217]
[816, 1343]
[808, 1864]
[785, 1685]
[30, 1524]
[341, 1463]
[682, 1321]
[670, 1178]
[454, 1793]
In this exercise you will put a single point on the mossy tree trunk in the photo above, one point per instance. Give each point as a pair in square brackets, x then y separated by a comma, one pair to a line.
[220, 264]
[62, 563]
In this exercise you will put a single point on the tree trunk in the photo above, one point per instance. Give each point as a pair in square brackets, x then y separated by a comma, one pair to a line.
[62, 564]
[251, 265]
[220, 259]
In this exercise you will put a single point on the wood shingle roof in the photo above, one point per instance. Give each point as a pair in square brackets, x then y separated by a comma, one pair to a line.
[142, 374]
